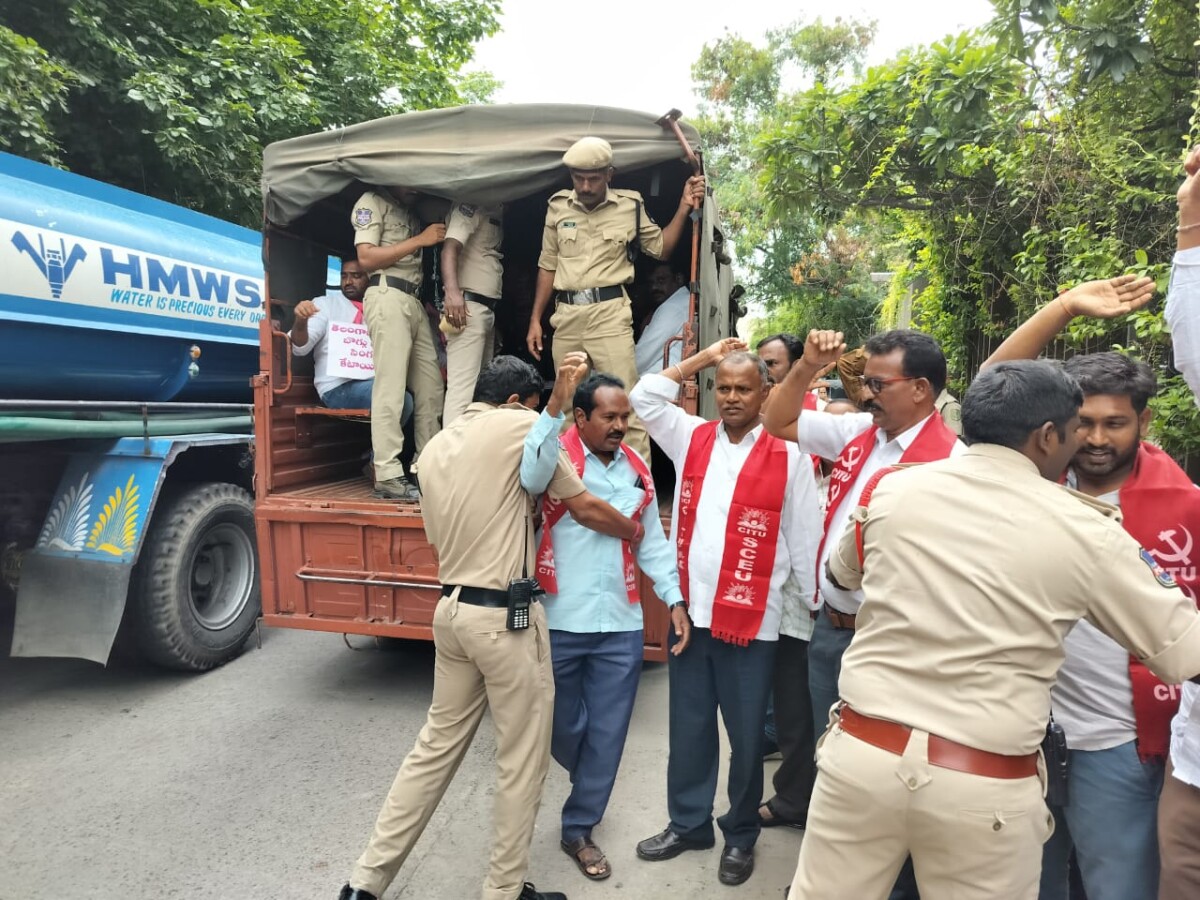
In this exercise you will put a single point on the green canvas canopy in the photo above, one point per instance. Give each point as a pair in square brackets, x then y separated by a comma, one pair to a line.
[479, 154]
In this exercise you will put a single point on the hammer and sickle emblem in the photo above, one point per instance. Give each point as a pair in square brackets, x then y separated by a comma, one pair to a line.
[851, 456]
[1179, 554]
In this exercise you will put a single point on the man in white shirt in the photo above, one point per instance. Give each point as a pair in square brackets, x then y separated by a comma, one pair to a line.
[745, 518]
[309, 332]
[671, 302]
[1179, 805]
[905, 372]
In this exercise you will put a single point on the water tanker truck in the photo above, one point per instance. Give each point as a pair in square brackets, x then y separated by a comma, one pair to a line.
[128, 340]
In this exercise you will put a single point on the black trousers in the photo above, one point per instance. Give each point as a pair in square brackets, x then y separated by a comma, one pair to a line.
[797, 772]
[712, 676]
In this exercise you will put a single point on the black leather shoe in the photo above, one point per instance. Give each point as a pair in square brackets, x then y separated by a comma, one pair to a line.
[529, 892]
[736, 865]
[667, 845]
[349, 893]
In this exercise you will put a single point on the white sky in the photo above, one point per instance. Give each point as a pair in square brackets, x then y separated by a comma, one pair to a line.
[643, 50]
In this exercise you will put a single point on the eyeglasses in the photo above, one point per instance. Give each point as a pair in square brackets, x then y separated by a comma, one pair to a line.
[875, 385]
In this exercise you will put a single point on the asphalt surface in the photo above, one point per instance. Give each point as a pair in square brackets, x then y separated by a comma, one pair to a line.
[262, 779]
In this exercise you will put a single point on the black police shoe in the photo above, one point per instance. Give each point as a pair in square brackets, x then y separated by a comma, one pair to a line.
[736, 865]
[529, 892]
[349, 893]
[667, 845]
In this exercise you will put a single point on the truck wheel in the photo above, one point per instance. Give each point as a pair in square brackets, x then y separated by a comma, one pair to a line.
[195, 592]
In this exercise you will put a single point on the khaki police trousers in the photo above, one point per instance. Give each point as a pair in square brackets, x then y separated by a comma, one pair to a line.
[405, 359]
[479, 664]
[1178, 839]
[605, 332]
[971, 838]
[467, 354]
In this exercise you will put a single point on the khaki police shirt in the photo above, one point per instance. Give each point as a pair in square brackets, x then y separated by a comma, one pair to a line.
[975, 570]
[950, 410]
[476, 512]
[586, 249]
[480, 231]
[380, 220]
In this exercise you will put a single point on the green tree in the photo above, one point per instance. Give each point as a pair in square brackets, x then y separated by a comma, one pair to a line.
[801, 270]
[177, 98]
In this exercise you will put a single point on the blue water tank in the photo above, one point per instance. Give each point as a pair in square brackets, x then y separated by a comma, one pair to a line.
[104, 293]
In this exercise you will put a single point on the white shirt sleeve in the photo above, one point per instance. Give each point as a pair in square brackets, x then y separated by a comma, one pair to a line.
[666, 322]
[653, 399]
[1183, 315]
[825, 434]
[802, 526]
[317, 326]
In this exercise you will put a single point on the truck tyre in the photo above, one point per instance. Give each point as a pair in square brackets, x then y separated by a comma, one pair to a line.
[195, 593]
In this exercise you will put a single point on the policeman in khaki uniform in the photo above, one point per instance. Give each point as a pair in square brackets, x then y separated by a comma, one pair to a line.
[584, 264]
[974, 570]
[472, 275]
[479, 480]
[389, 241]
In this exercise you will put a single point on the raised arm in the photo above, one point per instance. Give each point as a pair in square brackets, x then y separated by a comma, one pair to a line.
[1183, 297]
[373, 258]
[693, 196]
[1106, 299]
[787, 398]
[540, 455]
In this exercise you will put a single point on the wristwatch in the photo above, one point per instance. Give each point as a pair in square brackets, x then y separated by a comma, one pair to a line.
[682, 603]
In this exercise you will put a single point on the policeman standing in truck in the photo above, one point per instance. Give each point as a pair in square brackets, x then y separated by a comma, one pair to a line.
[591, 238]
[389, 241]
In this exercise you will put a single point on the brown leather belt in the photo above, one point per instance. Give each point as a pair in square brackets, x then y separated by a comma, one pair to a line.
[945, 754]
[589, 295]
[489, 302]
[398, 283]
[841, 619]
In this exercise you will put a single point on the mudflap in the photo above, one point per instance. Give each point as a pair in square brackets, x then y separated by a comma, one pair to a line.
[56, 616]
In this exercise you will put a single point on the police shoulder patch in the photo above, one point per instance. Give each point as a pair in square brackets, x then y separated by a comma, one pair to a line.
[363, 216]
[466, 209]
[1161, 575]
[566, 224]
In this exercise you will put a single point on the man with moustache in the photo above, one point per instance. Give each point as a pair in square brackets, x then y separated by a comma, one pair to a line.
[1116, 715]
[974, 570]
[903, 375]
[745, 518]
[594, 610]
[586, 263]
[389, 242]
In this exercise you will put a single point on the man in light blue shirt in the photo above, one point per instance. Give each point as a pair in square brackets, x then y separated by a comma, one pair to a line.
[592, 607]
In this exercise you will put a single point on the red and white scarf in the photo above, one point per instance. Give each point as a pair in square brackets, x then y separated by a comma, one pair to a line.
[751, 531]
[934, 441]
[553, 510]
[1160, 508]
[358, 311]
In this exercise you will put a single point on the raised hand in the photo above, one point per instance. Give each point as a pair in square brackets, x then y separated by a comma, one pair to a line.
[306, 309]
[571, 372]
[823, 348]
[1189, 191]
[718, 351]
[1108, 298]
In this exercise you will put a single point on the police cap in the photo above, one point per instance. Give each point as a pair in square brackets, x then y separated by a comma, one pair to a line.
[588, 154]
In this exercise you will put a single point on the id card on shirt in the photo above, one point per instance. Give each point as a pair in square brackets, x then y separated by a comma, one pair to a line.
[350, 354]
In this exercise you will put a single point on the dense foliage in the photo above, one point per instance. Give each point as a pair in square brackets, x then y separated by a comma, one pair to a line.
[996, 168]
[177, 98]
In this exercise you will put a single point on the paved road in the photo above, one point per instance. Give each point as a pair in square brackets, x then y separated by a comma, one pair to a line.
[262, 780]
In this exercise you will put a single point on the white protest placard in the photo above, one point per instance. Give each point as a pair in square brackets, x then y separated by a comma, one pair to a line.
[349, 353]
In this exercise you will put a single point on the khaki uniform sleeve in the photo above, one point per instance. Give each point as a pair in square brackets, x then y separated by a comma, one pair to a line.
[844, 565]
[464, 222]
[367, 219]
[548, 259]
[1136, 604]
[651, 235]
[566, 483]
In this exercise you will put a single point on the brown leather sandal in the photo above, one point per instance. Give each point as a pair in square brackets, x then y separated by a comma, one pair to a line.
[587, 856]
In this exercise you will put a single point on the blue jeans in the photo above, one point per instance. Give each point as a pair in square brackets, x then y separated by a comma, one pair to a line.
[825, 651]
[357, 395]
[595, 683]
[1111, 819]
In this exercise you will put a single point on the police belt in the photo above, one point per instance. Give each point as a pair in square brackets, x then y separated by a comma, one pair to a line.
[477, 596]
[943, 753]
[589, 295]
[845, 621]
[489, 302]
[399, 284]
